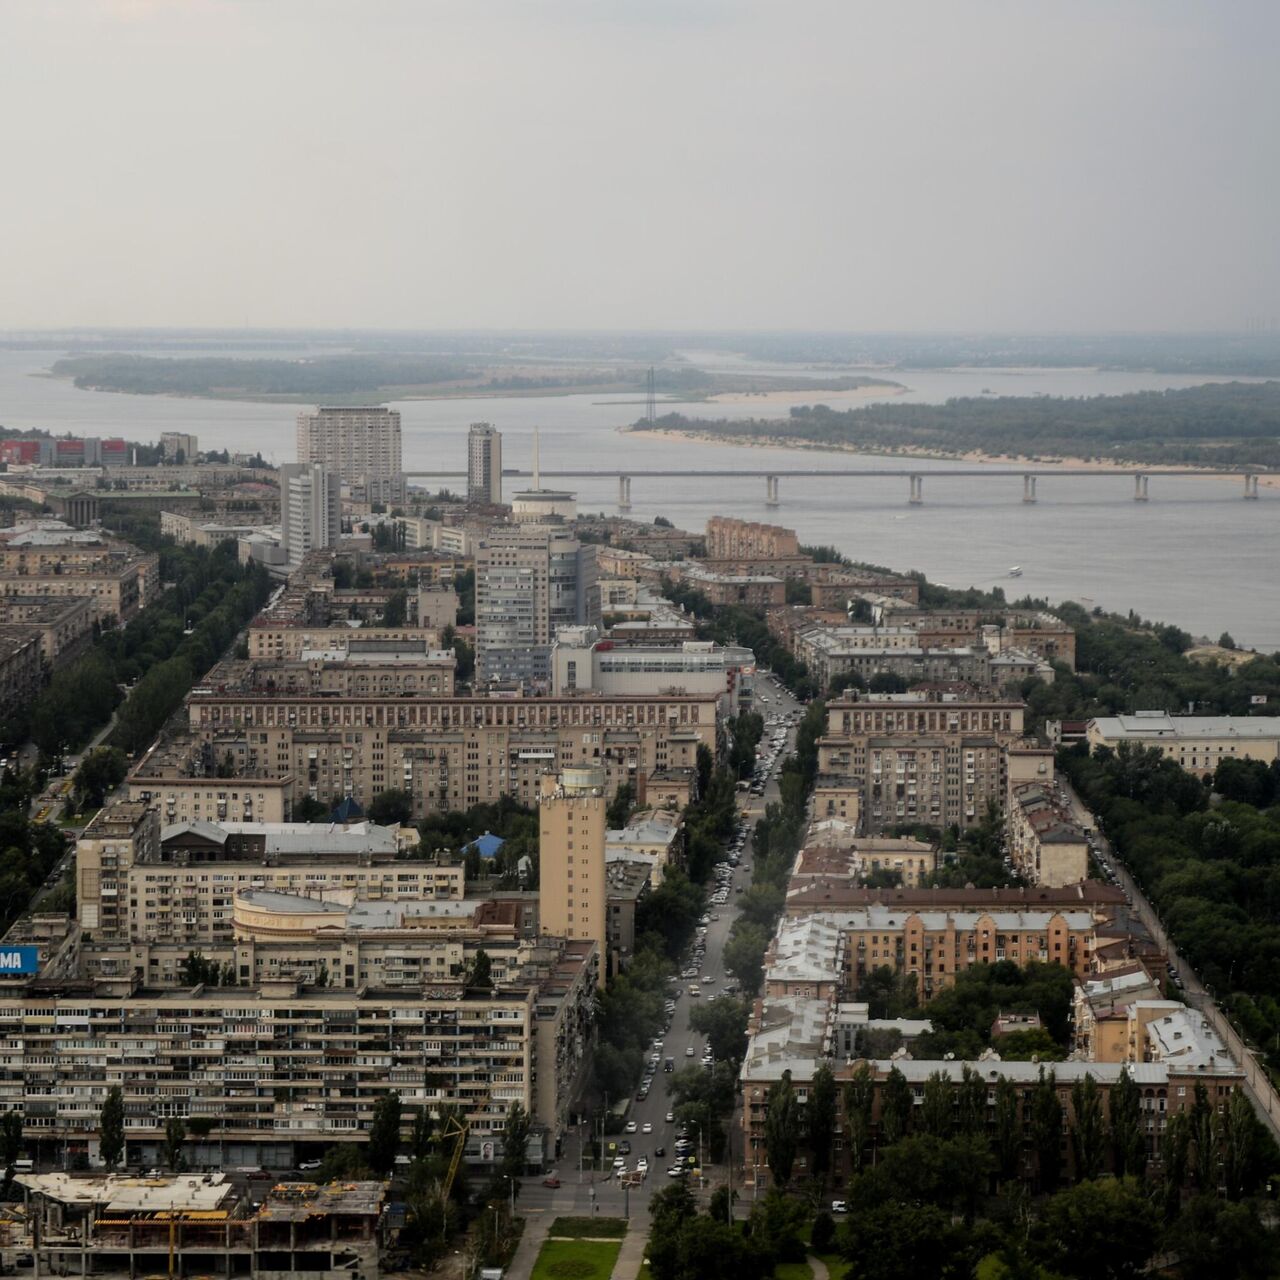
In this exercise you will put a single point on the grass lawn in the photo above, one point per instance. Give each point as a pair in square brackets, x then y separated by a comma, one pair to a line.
[836, 1265]
[792, 1271]
[580, 1228]
[576, 1260]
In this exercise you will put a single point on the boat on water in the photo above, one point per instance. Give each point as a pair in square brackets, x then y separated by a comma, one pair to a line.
[1015, 571]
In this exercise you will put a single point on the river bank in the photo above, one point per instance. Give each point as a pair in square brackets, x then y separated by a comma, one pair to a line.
[1036, 463]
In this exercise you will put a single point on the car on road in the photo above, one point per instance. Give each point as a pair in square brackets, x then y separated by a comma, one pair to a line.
[631, 1126]
[551, 1181]
[624, 1147]
[619, 1162]
[688, 1053]
[839, 1206]
[677, 1171]
[642, 1165]
[307, 1166]
[659, 1152]
[646, 1127]
[671, 1117]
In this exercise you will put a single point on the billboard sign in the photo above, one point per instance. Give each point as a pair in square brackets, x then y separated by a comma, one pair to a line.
[19, 960]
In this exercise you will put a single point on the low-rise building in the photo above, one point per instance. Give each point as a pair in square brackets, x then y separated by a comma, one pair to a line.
[653, 834]
[1044, 842]
[1198, 743]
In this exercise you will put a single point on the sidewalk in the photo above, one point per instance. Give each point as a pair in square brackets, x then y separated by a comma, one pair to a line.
[536, 1226]
[631, 1256]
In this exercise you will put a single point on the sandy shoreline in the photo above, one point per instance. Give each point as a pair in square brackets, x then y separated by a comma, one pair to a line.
[1100, 465]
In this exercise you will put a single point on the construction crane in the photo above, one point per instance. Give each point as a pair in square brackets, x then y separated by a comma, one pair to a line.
[454, 1128]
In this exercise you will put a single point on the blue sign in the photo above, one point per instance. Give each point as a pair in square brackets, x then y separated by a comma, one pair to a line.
[19, 960]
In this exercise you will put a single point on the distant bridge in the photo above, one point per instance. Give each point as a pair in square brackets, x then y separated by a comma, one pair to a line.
[914, 476]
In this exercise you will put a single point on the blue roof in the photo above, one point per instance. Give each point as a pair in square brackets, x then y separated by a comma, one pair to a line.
[487, 845]
[347, 810]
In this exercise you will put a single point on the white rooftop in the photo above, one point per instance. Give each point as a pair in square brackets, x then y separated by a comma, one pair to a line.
[1160, 724]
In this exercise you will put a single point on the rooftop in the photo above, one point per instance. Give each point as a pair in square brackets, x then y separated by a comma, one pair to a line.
[1160, 724]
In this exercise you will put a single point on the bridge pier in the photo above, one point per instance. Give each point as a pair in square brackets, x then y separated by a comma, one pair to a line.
[771, 491]
[1140, 488]
[1028, 488]
[1250, 485]
[624, 493]
[916, 497]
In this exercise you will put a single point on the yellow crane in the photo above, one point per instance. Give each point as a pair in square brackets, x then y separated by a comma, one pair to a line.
[454, 1128]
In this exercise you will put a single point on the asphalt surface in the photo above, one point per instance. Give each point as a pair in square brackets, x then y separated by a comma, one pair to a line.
[587, 1188]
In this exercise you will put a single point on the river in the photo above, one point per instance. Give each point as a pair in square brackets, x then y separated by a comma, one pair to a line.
[1196, 554]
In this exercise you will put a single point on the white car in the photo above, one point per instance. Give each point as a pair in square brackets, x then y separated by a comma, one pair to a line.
[671, 1117]
[688, 1053]
[619, 1162]
[839, 1206]
[642, 1165]
[646, 1127]
[631, 1126]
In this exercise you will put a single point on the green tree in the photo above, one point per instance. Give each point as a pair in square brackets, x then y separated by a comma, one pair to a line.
[891, 1240]
[422, 1134]
[1240, 1141]
[111, 1127]
[1103, 1230]
[781, 1130]
[971, 1102]
[619, 809]
[175, 1137]
[515, 1138]
[1174, 1158]
[936, 1111]
[859, 1097]
[1087, 1136]
[1124, 1107]
[480, 976]
[396, 608]
[343, 1162]
[820, 1120]
[724, 1023]
[100, 772]
[1046, 1130]
[11, 1144]
[391, 808]
[1008, 1135]
[384, 1134]
[1216, 1238]
[895, 1107]
[744, 956]
[1204, 1160]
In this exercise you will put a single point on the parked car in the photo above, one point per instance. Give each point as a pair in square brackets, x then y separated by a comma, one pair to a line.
[551, 1181]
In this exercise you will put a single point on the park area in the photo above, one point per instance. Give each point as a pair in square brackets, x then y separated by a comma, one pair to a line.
[580, 1249]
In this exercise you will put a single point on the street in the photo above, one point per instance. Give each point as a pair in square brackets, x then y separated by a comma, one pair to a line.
[586, 1189]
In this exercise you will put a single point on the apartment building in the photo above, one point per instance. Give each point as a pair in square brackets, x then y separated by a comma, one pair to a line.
[21, 667]
[196, 529]
[581, 662]
[63, 626]
[754, 590]
[572, 885]
[732, 539]
[527, 585]
[310, 509]
[139, 879]
[179, 778]
[484, 464]
[1197, 743]
[833, 852]
[361, 445]
[921, 757]
[179, 446]
[447, 753]
[362, 668]
[283, 1070]
[1044, 841]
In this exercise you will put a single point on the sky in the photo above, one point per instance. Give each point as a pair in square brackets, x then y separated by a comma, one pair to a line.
[908, 165]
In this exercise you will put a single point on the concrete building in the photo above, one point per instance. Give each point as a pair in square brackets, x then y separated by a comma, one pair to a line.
[581, 662]
[447, 753]
[921, 757]
[195, 529]
[1045, 843]
[756, 591]
[732, 539]
[179, 446]
[360, 445]
[572, 885]
[834, 852]
[655, 836]
[310, 509]
[63, 625]
[528, 581]
[21, 667]
[484, 464]
[1197, 743]
[437, 607]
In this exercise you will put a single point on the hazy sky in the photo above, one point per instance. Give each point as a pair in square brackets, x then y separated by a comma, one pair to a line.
[639, 163]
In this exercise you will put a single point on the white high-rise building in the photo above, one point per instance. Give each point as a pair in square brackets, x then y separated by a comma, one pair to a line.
[361, 446]
[310, 509]
[484, 464]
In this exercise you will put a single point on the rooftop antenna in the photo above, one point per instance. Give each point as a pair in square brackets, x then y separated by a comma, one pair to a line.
[651, 399]
[537, 484]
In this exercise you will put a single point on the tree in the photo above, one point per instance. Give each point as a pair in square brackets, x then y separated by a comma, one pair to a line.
[480, 977]
[175, 1137]
[111, 1127]
[1174, 1152]
[781, 1130]
[724, 1023]
[343, 1162]
[384, 1134]
[391, 808]
[820, 1119]
[421, 1135]
[310, 810]
[515, 1138]
[890, 1240]
[1008, 1137]
[744, 955]
[1213, 1238]
[720, 1206]
[394, 612]
[100, 772]
[10, 1141]
[895, 1107]
[1240, 1140]
[935, 1113]
[1086, 1128]
[619, 809]
[859, 1095]
[1124, 1108]
[1204, 1147]
[971, 1102]
[1046, 1130]
[1103, 1230]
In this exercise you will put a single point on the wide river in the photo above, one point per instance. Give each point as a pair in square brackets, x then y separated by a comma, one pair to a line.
[1196, 554]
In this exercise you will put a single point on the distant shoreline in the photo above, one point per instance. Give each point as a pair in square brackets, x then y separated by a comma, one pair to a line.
[1267, 480]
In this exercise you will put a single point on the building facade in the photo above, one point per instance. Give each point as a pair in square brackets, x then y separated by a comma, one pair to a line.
[484, 464]
[359, 445]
